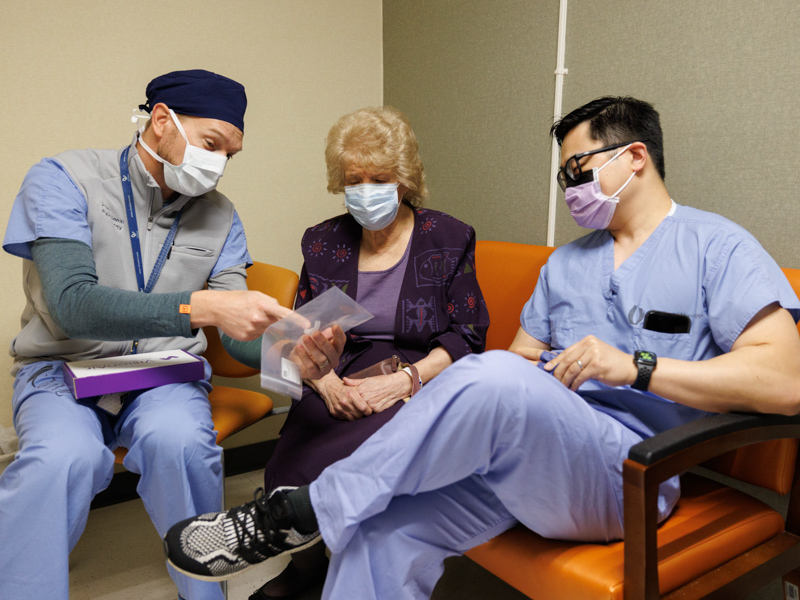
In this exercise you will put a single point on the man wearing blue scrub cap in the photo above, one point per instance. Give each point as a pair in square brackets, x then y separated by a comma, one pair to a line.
[119, 247]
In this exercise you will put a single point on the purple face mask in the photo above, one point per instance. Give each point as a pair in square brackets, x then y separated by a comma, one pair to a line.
[587, 203]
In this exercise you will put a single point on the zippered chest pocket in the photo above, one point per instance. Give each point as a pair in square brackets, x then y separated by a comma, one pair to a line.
[192, 250]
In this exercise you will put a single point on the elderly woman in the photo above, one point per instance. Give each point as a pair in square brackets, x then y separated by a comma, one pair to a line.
[412, 268]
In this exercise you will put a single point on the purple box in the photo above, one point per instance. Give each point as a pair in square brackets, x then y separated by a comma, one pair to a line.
[132, 372]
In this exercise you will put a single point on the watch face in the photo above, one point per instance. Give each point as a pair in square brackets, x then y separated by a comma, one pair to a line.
[643, 356]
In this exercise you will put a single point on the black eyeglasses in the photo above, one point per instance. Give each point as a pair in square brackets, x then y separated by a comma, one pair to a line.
[571, 174]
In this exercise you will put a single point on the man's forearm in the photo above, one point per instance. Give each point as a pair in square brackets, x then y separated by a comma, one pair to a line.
[761, 373]
[85, 310]
[247, 353]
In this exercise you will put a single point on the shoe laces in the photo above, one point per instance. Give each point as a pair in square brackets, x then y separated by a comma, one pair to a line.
[254, 527]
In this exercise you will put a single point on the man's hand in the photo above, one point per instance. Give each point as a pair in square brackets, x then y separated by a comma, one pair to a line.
[318, 353]
[242, 314]
[343, 402]
[590, 358]
[532, 354]
[382, 391]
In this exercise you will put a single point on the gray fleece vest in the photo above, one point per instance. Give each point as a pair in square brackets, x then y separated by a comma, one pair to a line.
[203, 229]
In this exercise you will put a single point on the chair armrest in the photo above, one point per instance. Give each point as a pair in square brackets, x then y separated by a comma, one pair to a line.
[675, 450]
[671, 453]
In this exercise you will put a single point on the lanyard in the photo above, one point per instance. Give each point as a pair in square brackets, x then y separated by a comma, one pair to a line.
[133, 227]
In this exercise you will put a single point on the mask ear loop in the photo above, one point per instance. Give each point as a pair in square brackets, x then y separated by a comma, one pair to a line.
[150, 150]
[135, 119]
[179, 126]
[182, 132]
[616, 156]
[624, 185]
[142, 115]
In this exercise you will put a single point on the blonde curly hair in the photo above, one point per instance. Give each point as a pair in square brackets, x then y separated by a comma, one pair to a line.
[379, 137]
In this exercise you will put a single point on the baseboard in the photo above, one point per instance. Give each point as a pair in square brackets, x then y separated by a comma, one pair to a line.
[237, 460]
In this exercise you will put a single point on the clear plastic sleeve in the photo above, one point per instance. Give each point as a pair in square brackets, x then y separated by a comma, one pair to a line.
[332, 307]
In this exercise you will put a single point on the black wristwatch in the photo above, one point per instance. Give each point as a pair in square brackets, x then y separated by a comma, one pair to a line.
[645, 361]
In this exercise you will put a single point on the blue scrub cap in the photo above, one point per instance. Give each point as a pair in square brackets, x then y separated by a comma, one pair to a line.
[199, 93]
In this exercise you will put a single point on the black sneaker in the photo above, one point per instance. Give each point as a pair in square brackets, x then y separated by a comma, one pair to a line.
[217, 546]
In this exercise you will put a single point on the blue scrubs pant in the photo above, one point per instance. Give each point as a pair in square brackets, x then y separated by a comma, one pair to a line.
[65, 458]
[490, 442]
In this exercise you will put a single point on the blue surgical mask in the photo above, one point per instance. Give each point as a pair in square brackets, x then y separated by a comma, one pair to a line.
[373, 205]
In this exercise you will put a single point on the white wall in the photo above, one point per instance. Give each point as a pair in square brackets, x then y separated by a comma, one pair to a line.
[71, 73]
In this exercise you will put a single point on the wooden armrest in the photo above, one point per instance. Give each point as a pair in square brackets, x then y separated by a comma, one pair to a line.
[671, 453]
[674, 451]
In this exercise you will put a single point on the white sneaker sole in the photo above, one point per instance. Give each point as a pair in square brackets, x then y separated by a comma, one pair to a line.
[308, 544]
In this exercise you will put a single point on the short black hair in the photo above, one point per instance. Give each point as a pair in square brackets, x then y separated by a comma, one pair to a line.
[617, 120]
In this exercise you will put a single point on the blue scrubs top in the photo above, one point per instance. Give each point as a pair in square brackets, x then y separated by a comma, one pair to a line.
[695, 263]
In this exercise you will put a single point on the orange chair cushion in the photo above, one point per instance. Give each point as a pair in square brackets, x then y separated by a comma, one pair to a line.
[507, 273]
[711, 525]
[232, 409]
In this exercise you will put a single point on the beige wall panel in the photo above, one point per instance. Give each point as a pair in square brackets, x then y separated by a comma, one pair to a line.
[725, 76]
[73, 71]
[476, 80]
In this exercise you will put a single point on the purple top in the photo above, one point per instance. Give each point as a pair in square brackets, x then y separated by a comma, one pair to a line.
[379, 292]
[439, 301]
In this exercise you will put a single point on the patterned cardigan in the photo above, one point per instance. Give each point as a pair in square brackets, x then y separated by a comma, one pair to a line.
[440, 302]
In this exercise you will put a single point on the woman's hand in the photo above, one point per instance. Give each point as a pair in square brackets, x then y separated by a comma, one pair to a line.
[382, 391]
[318, 353]
[343, 401]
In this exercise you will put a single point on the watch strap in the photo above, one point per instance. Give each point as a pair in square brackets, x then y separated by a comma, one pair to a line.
[643, 376]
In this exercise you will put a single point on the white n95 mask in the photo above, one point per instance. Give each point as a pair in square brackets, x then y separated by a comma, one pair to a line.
[197, 174]
[373, 205]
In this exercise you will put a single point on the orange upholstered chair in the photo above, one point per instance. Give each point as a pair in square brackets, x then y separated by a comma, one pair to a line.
[233, 409]
[507, 274]
[718, 543]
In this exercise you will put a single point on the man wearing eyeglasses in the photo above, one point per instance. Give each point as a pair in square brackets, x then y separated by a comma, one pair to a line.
[662, 314]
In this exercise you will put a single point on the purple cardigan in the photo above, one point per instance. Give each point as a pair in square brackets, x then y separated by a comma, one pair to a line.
[440, 301]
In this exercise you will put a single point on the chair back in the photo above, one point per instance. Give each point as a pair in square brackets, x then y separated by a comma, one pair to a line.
[507, 273]
[769, 464]
[271, 280]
